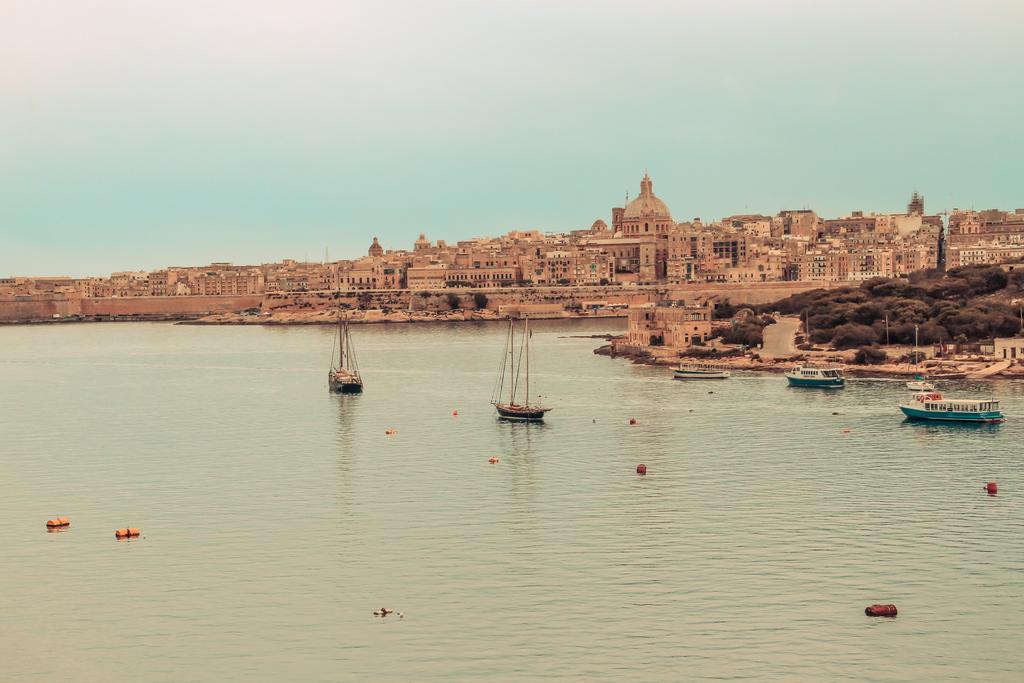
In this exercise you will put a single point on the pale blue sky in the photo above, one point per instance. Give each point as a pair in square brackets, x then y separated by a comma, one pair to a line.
[139, 134]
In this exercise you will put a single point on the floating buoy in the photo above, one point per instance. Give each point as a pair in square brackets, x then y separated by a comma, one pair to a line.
[58, 522]
[492, 460]
[847, 430]
[633, 421]
[992, 488]
[880, 610]
[455, 413]
[130, 532]
[641, 469]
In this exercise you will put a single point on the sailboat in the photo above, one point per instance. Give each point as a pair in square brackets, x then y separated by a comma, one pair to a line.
[510, 368]
[919, 383]
[344, 377]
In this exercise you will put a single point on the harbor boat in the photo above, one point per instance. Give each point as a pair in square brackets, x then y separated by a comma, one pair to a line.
[344, 377]
[934, 406]
[813, 376]
[700, 371]
[919, 383]
[516, 409]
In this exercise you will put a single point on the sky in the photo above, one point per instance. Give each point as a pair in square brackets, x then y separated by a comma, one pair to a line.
[140, 134]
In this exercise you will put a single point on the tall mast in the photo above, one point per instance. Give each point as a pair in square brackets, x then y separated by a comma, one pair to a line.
[342, 330]
[915, 347]
[511, 362]
[526, 331]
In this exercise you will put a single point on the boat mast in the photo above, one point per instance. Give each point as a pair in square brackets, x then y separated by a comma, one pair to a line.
[511, 361]
[915, 347]
[342, 333]
[526, 332]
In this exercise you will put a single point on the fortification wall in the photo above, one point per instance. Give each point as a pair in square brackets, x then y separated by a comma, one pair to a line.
[37, 309]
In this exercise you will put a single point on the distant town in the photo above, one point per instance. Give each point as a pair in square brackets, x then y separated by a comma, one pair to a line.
[643, 245]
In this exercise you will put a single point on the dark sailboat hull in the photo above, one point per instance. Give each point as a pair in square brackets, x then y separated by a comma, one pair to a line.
[346, 388]
[521, 413]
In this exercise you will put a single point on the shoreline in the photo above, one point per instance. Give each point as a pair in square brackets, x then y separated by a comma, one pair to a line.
[779, 365]
[357, 317]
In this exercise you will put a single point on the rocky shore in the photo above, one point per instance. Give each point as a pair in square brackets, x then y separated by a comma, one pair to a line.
[752, 362]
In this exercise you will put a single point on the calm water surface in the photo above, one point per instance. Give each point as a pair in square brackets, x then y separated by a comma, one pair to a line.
[277, 517]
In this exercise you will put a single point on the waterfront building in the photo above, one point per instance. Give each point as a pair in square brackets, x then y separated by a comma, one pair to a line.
[671, 324]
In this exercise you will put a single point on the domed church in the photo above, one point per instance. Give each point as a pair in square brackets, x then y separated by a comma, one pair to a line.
[645, 215]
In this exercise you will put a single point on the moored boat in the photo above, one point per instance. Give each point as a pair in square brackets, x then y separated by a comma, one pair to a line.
[513, 410]
[700, 371]
[919, 383]
[344, 378]
[814, 376]
[934, 406]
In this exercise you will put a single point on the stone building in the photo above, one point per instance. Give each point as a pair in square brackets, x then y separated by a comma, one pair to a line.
[674, 325]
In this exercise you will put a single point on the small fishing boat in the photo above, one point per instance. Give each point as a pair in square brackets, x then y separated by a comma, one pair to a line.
[934, 406]
[344, 377]
[919, 383]
[813, 376]
[513, 410]
[700, 371]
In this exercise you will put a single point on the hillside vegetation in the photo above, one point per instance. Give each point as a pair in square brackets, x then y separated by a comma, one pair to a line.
[964, 304]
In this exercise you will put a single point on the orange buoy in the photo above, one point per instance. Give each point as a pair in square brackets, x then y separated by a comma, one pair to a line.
[390, 432]
[58, 522]
[847, 430]
[880, 610]
[633, 421]
[130, 532]
[641, 469]
[492, 460]
[992, 488]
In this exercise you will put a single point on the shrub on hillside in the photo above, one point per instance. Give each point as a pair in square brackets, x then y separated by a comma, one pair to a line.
[869, 355]
[852, 335]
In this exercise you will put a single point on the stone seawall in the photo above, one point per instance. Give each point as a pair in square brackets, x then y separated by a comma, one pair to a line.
[34, 309]
[46, 309]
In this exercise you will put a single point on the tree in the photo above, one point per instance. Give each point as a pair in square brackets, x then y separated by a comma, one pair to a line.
[453, 301]
[869, 355]
[852, 335]
[724, 310]
[480, 300]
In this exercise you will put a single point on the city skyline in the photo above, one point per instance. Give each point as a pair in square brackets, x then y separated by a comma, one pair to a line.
[248, 133]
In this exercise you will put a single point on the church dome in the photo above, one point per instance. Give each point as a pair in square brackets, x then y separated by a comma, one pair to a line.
[599, 226]
[375, 248]
[647, 206]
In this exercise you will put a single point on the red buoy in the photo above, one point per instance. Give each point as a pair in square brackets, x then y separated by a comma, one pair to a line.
[455, 413]
[991, 488]
[880, 610]
[641, 469]
[633, 420]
